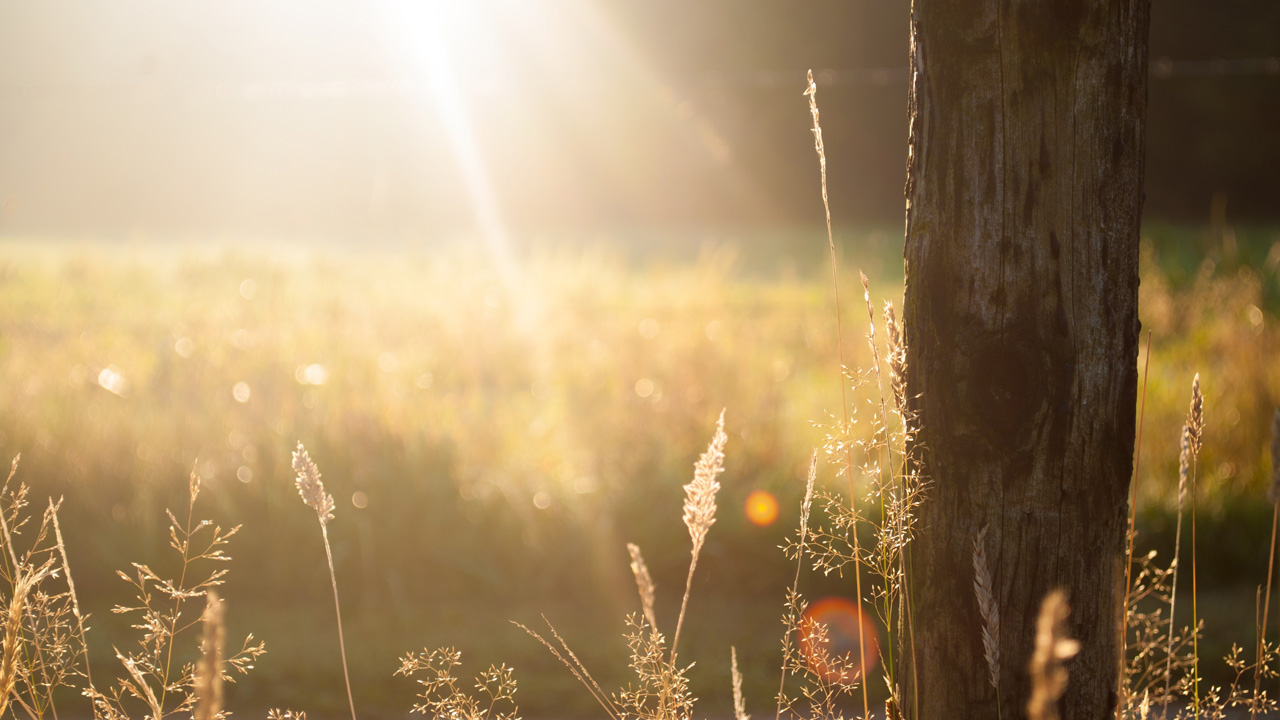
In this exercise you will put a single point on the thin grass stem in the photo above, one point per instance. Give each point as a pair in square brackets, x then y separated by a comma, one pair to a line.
[1266, 606]
[812, 93]
[1133, 512]
[337, 610]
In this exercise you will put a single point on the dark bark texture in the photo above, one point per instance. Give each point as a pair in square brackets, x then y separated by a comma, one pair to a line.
[1024, 194]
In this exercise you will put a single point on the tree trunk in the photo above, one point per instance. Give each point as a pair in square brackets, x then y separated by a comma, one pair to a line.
[1024, 194]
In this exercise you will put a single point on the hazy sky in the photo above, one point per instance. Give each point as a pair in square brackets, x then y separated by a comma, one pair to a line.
[389, 117]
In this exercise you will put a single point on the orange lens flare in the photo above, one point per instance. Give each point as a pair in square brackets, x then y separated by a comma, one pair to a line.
[829, 640]
[762, 508]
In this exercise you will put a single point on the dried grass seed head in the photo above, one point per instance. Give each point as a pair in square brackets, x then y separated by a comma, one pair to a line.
[700, 494]
[310, 487]
[739, 705]
[983, 587]
[644, 584]
[1195, 416]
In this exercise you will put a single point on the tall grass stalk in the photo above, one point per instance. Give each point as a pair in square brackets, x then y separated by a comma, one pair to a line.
[700, 512]
[1173, 583]
[812, 93]
[312, 491]
[1195, 425]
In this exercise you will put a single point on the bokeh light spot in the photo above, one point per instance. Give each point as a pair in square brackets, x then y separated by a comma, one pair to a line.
[241, 392]
[762, 508]
[829, 640]
[360, 500]
[313, 374]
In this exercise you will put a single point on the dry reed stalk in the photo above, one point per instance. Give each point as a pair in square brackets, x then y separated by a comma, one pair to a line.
[1273, 494]
[983, 587]
[739, 705]
[1173, 585]
[800, 545]
[1193, 433]
[1052, 649]
[1133, 515]
[208, 678]
[644, 584]
[700, 511]
[312, 491]
[812, 92]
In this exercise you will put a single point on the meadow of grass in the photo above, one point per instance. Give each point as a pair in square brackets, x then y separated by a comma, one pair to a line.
[493, 442]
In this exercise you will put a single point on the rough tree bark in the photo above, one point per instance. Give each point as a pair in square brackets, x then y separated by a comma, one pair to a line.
[1024, 192]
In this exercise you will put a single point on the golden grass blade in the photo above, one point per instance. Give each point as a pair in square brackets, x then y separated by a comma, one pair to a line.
[1133, 516]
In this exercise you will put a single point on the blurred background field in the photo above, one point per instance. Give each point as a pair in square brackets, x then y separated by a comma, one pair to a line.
[493, 445]
[500, 264]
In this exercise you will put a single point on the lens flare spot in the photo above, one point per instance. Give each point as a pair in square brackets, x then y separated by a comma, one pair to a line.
[829, 640]
[762, 508]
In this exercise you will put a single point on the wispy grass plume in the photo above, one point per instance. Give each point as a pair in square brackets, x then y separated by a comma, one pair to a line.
[312, 491]
[700, 511]
[739, 705]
